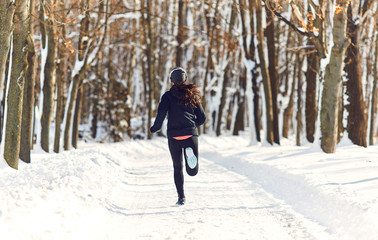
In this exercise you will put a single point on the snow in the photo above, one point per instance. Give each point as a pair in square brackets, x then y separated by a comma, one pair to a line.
[126, 191]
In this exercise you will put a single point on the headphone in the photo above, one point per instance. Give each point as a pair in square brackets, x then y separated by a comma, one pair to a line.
[178, 69]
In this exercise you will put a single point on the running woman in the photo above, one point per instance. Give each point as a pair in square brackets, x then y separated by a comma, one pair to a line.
[185, 114]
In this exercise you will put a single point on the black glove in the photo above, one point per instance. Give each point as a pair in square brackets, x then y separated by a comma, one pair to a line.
[152, 129]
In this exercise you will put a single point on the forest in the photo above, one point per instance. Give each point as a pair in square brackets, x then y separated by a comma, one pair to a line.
[300, 69]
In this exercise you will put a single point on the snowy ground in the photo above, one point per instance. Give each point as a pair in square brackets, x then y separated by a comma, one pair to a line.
[126, 191]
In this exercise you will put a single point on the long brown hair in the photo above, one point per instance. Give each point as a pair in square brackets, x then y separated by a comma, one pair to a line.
[188, 94]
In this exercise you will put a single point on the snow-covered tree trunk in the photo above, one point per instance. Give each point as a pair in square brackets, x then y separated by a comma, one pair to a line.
[249, 49]
[79, 71]
[88, 53]
[16, 85]
[332, 80]
[28, 95]
[211, 23]
[226, 76]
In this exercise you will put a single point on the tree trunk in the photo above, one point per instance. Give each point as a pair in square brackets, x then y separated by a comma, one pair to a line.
[240, 96]
[299, 98]
[83, 58]
[49, 72]
[77, 115]
[332, 82]
[7, 8]
[96, 91]
[149, 55]
[28, 96]
[59, 99]
[77, 78]
[76, 81]
[340, 125]
[311, 108]
[226, 77]
[210, 26]
[222, 101]
[16, 85]
[249, 51]
[129, 92]
[60, 79]
[288, 113]
[374, 99]
[181, 17]
[2, 106]
[264, 73]
[273, 74]
[357, 118]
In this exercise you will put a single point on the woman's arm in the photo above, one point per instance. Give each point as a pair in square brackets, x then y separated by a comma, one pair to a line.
[200, 114]
[162, 112]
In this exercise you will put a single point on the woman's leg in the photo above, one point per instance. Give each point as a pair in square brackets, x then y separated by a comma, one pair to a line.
[176, 154]
[193, 144]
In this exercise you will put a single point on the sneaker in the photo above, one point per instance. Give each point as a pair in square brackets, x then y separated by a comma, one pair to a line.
[181, 201]
[190, 157]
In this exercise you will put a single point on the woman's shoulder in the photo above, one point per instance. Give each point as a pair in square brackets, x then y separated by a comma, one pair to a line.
[167, 93]
[166, 96]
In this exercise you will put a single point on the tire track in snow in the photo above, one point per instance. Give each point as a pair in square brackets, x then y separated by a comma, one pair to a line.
[270, 217]
[342, 219]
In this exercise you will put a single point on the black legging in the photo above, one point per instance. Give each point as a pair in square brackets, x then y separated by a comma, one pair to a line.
[176, 148]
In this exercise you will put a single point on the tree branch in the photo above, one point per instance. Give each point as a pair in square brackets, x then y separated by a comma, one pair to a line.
[282, 18]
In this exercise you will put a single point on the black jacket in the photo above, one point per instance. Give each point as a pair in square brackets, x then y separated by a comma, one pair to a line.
[182, 120]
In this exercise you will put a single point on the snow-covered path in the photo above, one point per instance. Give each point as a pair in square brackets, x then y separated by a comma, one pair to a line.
[221, 204]
[126, 191]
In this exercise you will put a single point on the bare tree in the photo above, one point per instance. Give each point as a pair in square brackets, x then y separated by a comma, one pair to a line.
[48, 29]
[77, 114]
[357, 117]
[312, 73]
[273, 74]
[299, 58]
[288, 112]
[265, 74]
[87, 54]
[226, 77]
[16, 85]
[249, 49]
[332, 80]
[28, 98]
[7, 8]
[61, 74]
[148, 36]
[181, 18]
[240, 101]
[211, 23]
[374, 101]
